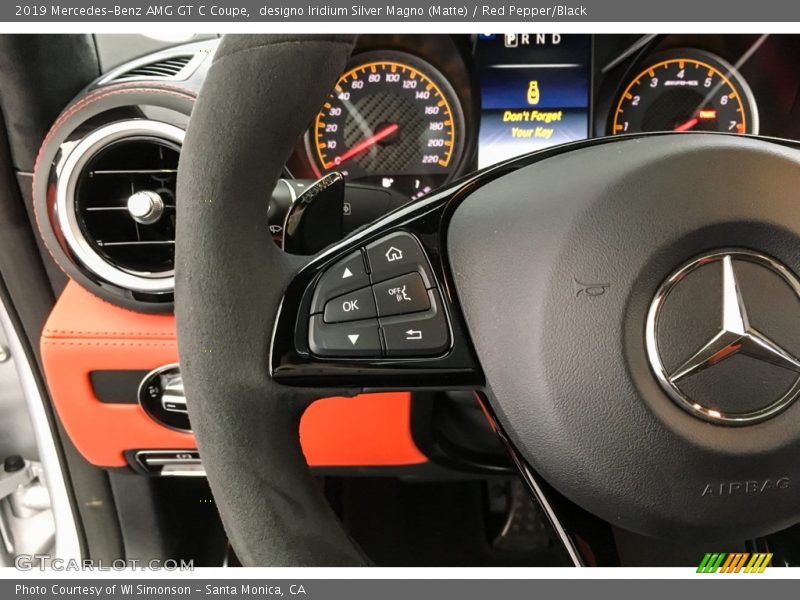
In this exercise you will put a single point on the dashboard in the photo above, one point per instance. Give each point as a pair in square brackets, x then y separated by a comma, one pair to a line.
[414, 112]
[409, 114]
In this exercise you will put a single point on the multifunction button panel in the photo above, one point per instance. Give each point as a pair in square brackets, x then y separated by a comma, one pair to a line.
[379, 301]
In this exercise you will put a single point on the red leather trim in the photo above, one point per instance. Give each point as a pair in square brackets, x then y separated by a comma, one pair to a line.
[368, 430]
[85, 334]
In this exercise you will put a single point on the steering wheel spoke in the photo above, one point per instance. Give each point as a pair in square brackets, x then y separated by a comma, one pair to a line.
[584, 539]
[377, 310]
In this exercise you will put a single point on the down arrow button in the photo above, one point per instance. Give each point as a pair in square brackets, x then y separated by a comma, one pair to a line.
[344, 340]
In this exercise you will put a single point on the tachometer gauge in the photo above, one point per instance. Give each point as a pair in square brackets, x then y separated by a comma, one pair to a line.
[393, 120]
[687, 91]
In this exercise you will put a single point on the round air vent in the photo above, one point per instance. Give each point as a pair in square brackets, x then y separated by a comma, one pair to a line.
[115, 204]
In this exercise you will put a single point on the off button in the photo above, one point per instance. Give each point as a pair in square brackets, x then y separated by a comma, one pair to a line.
[401, 295]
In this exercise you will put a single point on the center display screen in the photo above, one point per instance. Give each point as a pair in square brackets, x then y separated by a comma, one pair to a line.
[535, 91]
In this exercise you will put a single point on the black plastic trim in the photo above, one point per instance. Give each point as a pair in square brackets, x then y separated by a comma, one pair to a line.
[118, 386]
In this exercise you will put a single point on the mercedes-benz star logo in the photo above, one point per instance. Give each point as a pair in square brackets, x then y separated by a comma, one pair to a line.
[736, 335]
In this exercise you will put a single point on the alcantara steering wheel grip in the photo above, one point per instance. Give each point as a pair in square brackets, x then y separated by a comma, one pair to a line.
[257, 99]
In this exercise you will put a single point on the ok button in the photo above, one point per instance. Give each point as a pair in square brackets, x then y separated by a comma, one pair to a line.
[351, 307]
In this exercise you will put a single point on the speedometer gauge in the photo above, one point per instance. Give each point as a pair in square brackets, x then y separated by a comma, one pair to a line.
[393, 120]
[687, 91]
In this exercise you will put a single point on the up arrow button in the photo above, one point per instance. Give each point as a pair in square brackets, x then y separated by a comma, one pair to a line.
[342, 277]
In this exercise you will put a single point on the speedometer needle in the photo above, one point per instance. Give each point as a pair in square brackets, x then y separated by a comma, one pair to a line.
[688, 125]
[364, 145]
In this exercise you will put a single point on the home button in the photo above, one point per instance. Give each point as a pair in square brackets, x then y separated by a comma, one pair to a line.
[395, 255]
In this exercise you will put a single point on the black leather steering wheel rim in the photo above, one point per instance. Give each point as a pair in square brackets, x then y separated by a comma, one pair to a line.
[259, 96]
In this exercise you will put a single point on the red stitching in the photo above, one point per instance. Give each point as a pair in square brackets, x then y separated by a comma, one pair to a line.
[177, 92]
[167, 335]
[52, 342]
[107, 333]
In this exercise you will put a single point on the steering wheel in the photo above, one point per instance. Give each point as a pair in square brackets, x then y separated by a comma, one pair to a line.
[625, 309]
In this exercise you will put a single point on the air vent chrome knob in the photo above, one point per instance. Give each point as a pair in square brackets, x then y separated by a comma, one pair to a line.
[145, 207]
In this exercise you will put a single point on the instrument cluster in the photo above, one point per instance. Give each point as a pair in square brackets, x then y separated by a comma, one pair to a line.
[411, 113]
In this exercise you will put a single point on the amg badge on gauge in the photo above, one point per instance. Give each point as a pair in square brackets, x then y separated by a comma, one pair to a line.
[687, 91]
